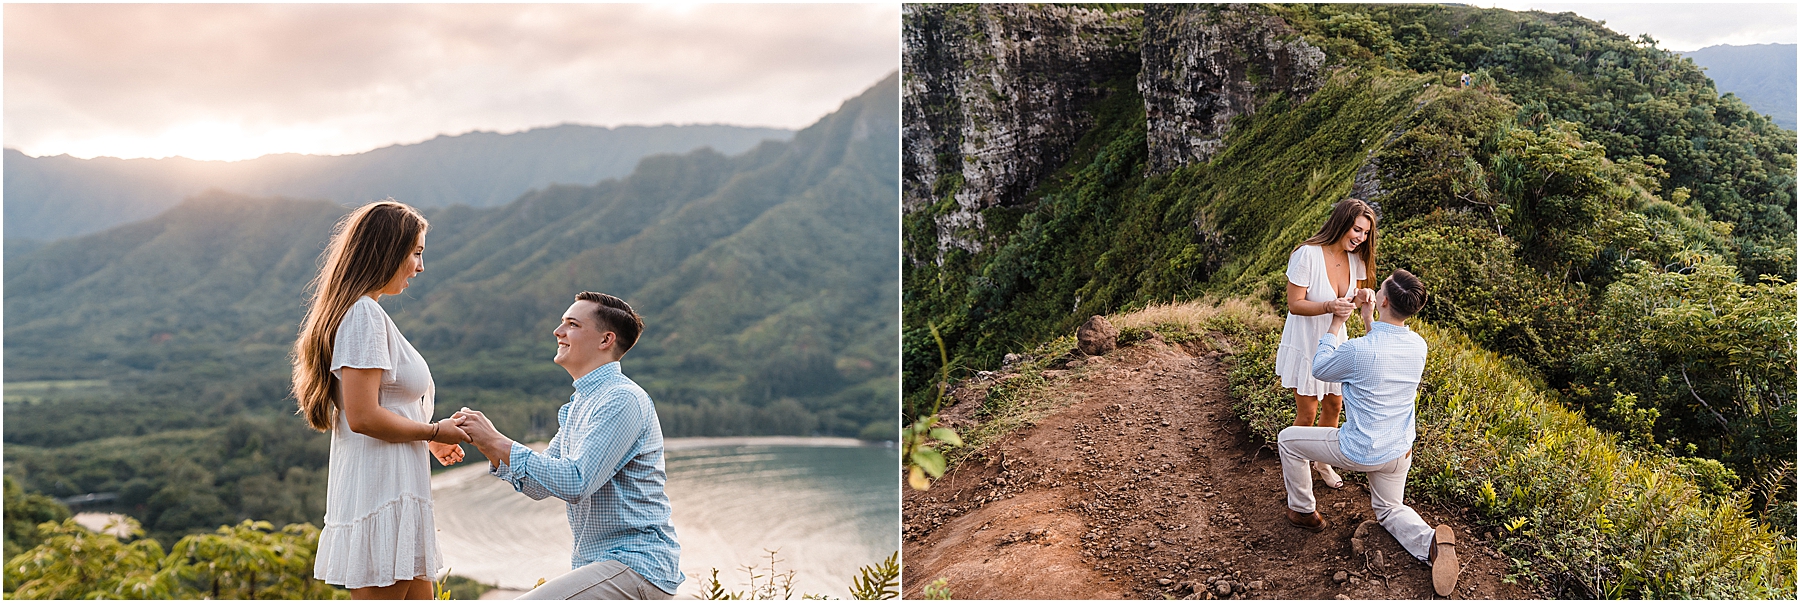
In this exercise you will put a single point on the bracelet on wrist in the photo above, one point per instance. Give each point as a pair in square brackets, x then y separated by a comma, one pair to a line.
[434, 431]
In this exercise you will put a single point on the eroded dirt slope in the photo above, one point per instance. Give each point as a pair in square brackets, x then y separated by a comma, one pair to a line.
[1147, 486]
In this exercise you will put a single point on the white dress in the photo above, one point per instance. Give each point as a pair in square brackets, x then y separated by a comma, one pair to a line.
[378, 524]
[1300, 337]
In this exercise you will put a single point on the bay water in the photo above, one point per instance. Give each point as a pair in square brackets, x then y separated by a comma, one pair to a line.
[826, 506]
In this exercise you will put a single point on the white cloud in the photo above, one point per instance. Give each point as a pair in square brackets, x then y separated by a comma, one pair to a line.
[235, 81]
[1681, 26]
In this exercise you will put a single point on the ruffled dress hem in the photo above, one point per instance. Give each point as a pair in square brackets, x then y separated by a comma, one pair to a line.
[400, 533]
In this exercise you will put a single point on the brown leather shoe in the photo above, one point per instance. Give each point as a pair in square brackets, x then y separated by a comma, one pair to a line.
[1444, 566]
[1311, 522]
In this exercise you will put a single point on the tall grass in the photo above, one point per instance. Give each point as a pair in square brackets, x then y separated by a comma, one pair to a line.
[1574, 508]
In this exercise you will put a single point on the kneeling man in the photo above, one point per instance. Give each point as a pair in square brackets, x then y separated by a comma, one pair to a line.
[1380, 372]
[606, 462]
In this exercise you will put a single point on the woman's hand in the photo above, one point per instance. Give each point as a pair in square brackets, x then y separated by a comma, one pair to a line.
[449, 433]
[1342, 307]
[1364, 297]
[446, 454]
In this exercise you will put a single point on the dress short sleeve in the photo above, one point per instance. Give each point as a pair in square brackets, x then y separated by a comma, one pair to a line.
[362, 339]
[1358, 272]
[1300, 267]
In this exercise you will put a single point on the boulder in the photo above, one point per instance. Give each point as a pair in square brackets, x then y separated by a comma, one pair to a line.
[1097, 336]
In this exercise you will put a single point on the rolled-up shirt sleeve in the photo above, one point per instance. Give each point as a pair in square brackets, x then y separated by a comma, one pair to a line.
[520, 454]
[1333, 361]
[572, 475]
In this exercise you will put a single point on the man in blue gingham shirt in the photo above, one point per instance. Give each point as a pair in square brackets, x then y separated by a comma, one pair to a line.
[1381, 373]
[606, 462]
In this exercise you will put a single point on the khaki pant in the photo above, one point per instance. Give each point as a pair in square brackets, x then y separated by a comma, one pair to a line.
[1387, 484]
[599, 580]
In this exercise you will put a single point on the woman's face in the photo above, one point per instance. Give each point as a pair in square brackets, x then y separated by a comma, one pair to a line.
[411, 267]
[1358, 233]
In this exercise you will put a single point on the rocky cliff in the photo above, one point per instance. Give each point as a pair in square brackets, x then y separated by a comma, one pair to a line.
[996, 96]
[1206, 64]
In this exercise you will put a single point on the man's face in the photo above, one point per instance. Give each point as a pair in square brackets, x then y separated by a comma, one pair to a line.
[582, 338]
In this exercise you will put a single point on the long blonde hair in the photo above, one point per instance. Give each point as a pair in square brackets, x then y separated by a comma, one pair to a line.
[1343, 216]
[366, 250]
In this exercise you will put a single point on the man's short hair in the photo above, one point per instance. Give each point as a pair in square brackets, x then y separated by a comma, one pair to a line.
[617, 316]
[1405, 293]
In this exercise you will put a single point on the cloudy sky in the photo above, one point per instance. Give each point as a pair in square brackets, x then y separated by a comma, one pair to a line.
[1680, 26]
[238, 81]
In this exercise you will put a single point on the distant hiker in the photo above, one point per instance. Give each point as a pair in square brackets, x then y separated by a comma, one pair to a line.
[1380, 372]
[1325, 274]
[357, 377]
[606, 462]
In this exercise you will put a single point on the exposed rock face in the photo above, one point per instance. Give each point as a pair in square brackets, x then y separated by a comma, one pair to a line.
[1097, 336]
[995, 95]
[1206, 64]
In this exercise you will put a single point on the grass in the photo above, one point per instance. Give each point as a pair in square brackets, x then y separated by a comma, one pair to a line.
[1022, 398]
[1574, 509]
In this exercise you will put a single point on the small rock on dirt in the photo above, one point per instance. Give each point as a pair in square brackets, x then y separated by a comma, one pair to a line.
[1164, 581]
[1340, 576]
[1223, 587]
[1254, 585]
[1097, 336]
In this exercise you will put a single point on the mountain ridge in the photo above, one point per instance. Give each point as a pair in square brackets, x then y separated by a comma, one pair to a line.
[1761, 74]
[59, 196]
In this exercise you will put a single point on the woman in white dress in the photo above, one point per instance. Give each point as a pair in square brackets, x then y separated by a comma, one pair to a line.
[357, 377]
[1327, 272]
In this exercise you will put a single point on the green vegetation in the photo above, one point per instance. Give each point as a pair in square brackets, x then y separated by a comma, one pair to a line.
[1608, 244]
[766, 281]
[1573, 505]
[765, 583]
[251, 560]
[24, 511]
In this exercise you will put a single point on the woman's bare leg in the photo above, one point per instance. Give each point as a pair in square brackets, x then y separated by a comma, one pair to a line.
[404, 589]
[421, 589]
[1306, 408]
[1329, 409]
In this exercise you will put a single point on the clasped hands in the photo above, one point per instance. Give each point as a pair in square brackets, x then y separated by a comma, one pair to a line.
[466, 426]
[1344, 306]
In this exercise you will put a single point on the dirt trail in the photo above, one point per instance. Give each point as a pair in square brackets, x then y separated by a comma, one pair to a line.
[1148, 486]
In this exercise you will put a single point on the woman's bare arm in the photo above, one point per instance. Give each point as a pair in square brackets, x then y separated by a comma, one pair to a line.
[1298, 304]
[363, 411]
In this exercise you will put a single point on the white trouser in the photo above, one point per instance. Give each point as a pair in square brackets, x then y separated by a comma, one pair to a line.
[599, 580]
[1387, 484]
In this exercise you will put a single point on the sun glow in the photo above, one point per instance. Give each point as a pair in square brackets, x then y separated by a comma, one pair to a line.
[207, 140]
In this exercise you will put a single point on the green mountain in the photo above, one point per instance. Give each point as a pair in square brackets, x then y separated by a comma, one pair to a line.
[50, 198]
[150, 359]
[1586, 206]
[1761, 74]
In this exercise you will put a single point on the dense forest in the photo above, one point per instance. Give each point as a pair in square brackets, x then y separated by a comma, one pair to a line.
[1584, 204]
[150, 360]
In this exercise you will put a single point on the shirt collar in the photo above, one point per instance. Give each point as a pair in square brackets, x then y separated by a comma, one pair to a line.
[1378, 326]
[598, 375]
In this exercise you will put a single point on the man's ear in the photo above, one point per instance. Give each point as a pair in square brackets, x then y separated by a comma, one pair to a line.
[608, 340]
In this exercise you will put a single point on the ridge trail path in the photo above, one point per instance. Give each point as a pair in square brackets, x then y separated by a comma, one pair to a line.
[1145, 486]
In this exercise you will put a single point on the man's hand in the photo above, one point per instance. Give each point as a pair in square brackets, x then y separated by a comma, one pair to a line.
[446, 454]
[1364, 297]
[482, 433]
